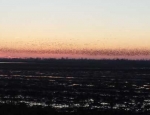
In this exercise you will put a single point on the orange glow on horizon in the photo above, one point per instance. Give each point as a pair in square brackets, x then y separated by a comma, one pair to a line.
[84, 53]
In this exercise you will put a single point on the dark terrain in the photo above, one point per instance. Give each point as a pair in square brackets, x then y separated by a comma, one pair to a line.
[74, 87]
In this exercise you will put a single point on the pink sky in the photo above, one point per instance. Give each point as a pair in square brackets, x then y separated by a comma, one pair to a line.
[107, 54]
[75, 29]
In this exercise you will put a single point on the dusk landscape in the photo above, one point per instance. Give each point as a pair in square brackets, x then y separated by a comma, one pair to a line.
[74, 57]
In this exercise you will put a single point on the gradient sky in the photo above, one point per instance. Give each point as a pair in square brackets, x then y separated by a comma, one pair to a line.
[75, 28]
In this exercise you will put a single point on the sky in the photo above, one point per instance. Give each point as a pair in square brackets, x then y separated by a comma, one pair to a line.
[75, 28]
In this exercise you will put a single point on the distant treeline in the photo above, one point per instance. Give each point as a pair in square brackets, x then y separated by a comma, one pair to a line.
[64, 62]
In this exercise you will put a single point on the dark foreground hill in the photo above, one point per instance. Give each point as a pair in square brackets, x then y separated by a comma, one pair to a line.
[22, 109]
[74, 87]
